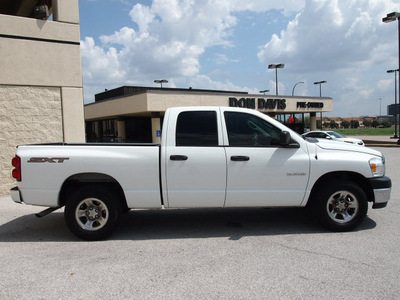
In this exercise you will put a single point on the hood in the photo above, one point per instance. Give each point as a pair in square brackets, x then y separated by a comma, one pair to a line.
[341, 146]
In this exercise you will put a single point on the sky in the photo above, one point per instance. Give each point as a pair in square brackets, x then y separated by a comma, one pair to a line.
[228, 45]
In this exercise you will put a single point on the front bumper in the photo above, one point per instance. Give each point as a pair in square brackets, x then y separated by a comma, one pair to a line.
[16, 195]
[382, 188]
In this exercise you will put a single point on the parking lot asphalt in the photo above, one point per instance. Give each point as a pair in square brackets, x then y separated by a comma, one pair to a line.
[204, 254]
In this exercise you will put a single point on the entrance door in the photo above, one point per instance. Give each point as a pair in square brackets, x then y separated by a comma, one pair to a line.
[260, 171]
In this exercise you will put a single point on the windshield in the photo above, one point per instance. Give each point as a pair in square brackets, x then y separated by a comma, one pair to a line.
[335, 134]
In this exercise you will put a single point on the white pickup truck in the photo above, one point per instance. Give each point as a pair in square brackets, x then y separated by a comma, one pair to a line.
[208, 157]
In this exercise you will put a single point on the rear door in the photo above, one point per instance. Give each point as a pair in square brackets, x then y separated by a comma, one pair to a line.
[195, 161]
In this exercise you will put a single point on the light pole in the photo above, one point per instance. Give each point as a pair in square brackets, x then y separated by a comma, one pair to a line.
[276, 67]
[390, 18]
[161, 81]
[395, 101]
[320, 93]
[295, 87]
[264, 91]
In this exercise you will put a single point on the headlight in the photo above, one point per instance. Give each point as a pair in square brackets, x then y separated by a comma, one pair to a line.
[377, 166]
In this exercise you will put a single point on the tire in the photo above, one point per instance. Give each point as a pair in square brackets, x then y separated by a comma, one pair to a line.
[341, 207]
[92, 212]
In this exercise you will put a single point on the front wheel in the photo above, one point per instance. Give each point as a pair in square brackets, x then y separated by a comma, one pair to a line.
[342, 206]
[92, 212]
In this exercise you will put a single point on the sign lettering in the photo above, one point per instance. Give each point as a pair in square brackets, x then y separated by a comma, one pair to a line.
[310, 105]
[261, 103]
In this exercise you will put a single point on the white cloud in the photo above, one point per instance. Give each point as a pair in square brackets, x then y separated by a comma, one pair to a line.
[170, 38]
[287, 6]
[341, 41]
[205, 82]
[166, 39]
[344, 32]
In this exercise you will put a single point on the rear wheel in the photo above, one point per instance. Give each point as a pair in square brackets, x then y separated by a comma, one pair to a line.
[342, 206]
[93, 212]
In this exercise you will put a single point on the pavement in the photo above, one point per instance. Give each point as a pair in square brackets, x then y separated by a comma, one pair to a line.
[204, 254]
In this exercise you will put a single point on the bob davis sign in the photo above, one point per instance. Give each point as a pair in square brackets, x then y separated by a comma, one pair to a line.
[275, 104]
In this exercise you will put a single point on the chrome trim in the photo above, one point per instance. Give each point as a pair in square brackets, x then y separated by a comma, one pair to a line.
[16, 195]
[382, 195]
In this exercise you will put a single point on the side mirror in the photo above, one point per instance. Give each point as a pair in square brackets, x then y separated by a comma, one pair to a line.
[285, 138]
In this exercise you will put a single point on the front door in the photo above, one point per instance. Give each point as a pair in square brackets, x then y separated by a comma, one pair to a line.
[260, 171]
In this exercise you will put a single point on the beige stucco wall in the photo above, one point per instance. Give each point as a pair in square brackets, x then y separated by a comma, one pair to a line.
[43, 63]
[27, 115]
[73, 118]
[66, 11]
[41, 98]
[118, 107]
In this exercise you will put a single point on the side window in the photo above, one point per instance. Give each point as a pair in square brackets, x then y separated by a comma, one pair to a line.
[313, 135]
[321, 135]
[197, 128]
[245, 130]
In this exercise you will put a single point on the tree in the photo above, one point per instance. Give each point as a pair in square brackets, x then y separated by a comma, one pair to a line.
[367, 123]
[386, 124]
[326, 125]
[354, 124]
[333, 124]
[346, 124]
[375, 123]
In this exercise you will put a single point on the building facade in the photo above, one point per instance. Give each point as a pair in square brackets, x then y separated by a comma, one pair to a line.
[135, 114]
[41, 98]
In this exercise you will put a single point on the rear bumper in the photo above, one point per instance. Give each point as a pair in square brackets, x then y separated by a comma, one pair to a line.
[16, 195]
[382, 188]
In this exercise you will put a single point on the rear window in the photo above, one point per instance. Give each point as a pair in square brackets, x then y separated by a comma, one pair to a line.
[197, 128]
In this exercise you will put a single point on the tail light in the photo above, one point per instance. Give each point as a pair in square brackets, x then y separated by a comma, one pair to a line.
[16, 163]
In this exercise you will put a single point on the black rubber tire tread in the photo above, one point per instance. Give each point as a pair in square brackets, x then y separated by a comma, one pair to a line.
[109, 198]
[322, 196]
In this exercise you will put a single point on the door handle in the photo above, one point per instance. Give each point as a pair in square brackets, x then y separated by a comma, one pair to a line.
[240, 158]
[178, 157]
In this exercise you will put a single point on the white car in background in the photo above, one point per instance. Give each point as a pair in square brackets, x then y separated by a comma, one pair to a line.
[332, 135]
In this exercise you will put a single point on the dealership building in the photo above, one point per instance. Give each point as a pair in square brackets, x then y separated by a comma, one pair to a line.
[135, 113]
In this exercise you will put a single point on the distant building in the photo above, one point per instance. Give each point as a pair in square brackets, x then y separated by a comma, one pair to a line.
[391, 109]
[135, 113]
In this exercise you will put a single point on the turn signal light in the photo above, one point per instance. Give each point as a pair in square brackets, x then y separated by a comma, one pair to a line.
[16, 163]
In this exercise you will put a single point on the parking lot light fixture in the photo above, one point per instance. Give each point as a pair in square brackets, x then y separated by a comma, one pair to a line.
[295, 86]
[390, 18]
[320, 93]
[276, 67]
[161, 81]
[395, 101]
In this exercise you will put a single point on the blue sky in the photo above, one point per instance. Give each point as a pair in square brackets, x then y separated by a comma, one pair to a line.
[228, 45]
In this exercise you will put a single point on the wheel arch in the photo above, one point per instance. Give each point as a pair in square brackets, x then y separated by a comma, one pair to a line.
[358, 179]
[74, 182]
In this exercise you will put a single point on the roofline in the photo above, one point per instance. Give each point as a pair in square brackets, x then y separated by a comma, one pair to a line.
[124, 91]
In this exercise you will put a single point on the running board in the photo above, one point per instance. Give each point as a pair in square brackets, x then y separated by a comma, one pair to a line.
[46, 212]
